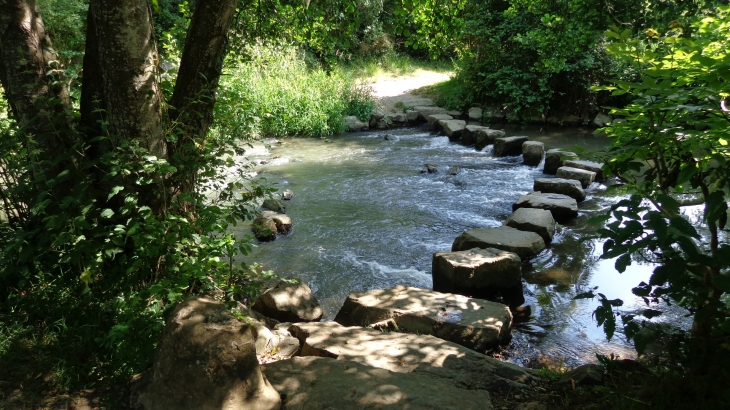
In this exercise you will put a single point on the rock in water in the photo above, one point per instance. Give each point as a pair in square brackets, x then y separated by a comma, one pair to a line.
[525, 244]
[588, 166]
[532, 152]
[586, 178]
[268, 223]
[562, 207]
[490, 274]
[431, 169]
[554, 159]
[206, 360]
[569, 187]
[274, 205]
[287, 195]
[508, 146]
[539, 221]
[474, 323]
[289, 302]
[317, 383]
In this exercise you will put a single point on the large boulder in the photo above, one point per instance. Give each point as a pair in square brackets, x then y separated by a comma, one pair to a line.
[375, 117]
[289, 302]
[268, 223]
[487, 137]
[602, 119]
[409, 353]
[569, 187]
[532, 152]
[539, 221]
[424, 111]
[491, 274]
[352, 123]
[206, 360]
[586, 178]
[452, 128]
[475, 323]
[555, 158]
[508, 146]
[398, 119]
[434, 121]
[317, 383]
[562, 207]
[596, 167]
[525, 244]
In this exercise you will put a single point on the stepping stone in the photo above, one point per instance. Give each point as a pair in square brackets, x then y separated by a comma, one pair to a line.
[452, 128]
[475, 323]
[554, 160]
[525, 244]
[508, 146]
[569, 187]
[425, 111]
[532, 152]
[289, 302]
[490, 274]
[475, 114]
[487, 137]
[412, 116]
[433, 121]
[588, 166]
[316, 383]
[562, 207]
[409, 353]
[586, 178]
[469, 135]
[539, 221]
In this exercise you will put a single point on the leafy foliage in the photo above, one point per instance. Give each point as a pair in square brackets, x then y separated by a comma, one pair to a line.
[672, 150]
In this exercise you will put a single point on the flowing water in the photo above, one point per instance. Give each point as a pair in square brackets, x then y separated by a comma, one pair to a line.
[366, 218]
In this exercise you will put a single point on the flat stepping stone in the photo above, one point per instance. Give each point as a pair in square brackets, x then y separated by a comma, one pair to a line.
[316, 383]
[569, 187]
[532, 152]
[475, 323]
[508, 146]
[588, 166]
[554, 160]
[407, 353]
[425, 111]
[452, 128]
[487, 137]
[586, 178]
[535, 220]
[434, 121]
[483, 273]
[469, 135]
[561, 206]
[525, 244]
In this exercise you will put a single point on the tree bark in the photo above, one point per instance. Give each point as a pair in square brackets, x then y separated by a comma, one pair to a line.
[127, 54]
[193, 99]
[30, 74]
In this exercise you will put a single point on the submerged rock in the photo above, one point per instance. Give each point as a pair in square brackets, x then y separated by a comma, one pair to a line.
[475, 323]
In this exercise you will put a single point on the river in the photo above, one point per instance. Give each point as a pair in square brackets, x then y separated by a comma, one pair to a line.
[366, 218]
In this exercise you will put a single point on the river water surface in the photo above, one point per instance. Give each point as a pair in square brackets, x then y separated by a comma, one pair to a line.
[365, 218]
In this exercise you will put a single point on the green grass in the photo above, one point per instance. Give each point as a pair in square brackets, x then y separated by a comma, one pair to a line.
[451, 94]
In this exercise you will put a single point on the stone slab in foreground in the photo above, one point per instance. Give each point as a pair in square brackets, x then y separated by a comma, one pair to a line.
[319, 383]
[406, 353]
[475, 323]
[525, 244]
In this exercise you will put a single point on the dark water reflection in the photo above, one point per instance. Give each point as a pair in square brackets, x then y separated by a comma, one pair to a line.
[365, 218]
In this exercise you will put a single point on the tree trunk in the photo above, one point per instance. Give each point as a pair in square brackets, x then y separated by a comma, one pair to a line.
[30, 73]
[191, 106]
[128, 55]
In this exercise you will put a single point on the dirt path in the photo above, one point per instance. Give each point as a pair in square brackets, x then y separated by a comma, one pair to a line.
[390, 90]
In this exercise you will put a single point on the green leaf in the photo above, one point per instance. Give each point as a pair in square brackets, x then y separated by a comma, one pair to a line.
[107, 213]
[114, 191]
[622, 262]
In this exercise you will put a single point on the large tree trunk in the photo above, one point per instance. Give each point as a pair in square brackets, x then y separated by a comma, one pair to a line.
[127, 53]
[30, 73]
[191, 106]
